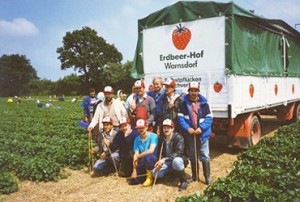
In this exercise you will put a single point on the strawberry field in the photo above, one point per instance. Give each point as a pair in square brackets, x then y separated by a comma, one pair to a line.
[270, 171]
[38, 143]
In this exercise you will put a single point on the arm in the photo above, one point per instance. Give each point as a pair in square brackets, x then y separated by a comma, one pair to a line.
[206, 122]
[152, 109]
[86, 103]
[97, 118]
[148, 151]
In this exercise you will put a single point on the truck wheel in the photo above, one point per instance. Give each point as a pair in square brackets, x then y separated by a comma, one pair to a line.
[296, 117]
[255, 131]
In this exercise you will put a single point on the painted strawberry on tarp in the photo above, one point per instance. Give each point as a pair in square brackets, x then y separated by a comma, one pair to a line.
[181, 36]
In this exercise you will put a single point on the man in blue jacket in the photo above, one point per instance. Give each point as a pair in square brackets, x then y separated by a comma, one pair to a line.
[195, 119]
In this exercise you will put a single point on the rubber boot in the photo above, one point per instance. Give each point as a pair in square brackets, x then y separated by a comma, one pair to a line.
[149, 179]
[195, 172]
[183, 183]
[206, 172]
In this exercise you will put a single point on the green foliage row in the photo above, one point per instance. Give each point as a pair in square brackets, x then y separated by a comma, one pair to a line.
[270, 171]
[37, 143]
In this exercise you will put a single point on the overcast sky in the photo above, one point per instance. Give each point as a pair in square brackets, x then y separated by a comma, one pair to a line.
[35, 28]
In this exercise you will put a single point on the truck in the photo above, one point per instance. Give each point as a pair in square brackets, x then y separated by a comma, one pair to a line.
[248, 66]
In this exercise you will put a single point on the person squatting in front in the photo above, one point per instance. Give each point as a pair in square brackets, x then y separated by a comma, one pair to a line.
[172, 158]
[124, 143]
[145, 154]
[195, 119]
[107, 160]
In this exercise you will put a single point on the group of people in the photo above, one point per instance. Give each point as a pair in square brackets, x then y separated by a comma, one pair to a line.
[152, 134]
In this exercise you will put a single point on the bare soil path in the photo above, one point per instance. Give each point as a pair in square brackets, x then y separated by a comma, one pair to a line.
[80, 186]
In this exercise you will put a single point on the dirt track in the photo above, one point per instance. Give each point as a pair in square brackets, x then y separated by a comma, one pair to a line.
[81, 187]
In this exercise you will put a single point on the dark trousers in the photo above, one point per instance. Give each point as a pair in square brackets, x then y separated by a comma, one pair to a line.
[146, 163]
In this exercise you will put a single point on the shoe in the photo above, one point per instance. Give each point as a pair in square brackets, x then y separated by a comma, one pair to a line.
[183, 186]
[206, 172]
[149, 179]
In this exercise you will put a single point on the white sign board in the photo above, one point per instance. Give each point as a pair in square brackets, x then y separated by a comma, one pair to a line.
[199, 47]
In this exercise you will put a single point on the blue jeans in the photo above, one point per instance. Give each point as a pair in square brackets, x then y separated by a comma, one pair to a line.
[176, 164]
[202, 148]
[106, 166]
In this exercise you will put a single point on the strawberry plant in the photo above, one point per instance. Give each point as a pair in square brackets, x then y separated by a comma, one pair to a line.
[269, 171]
[8, 183]
[38, 143]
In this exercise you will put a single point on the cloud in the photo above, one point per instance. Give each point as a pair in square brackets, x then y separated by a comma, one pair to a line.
[18, 27]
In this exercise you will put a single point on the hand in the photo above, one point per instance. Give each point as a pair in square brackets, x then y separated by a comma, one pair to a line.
[86, 119]
[191, 131]
[134, 174]
[198, 131]
[90, 128]
[106, 142]
[159, 164]
[92, 151]
[102, 156]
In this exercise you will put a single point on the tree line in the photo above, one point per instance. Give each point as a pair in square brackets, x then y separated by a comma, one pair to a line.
[96, 62]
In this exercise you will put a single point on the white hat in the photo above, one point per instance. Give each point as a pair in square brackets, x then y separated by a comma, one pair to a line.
[108, 89]
[168, 122]
[141, 123]
[194, 85]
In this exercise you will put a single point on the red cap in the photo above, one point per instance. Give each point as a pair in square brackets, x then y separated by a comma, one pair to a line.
[124, 120]
[107, 119]
[141, 123]
[108, 89]
[170, 82]
[194, 85]
[168, 122]
[139, 84]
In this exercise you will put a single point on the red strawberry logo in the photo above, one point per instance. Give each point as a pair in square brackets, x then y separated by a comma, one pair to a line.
[181, 36]
[218, 87]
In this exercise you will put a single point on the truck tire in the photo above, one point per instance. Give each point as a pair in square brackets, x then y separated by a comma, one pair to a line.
[255, 131]
[296, 117]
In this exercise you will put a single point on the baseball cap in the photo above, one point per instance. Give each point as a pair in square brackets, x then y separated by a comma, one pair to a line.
[124, 120]
[108, 89]
[141, 123]
[194, 85]
[139, 84]
[107, 119]
[168, 122]
[170, 82]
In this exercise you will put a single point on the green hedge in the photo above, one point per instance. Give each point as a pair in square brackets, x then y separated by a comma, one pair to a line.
[270, 171]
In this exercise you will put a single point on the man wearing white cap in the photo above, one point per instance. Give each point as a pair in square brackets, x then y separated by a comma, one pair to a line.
[145, 152]
[171, 103]
[143, 105]
[171, 145]
[110, 107]
[124, 143]
[195, 119]
[105, 164]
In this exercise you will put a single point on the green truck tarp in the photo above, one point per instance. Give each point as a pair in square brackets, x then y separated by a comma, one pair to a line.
[254, 44]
